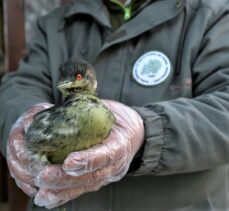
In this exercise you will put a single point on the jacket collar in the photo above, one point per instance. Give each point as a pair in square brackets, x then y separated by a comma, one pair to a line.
[94, 8]
[97, 9]
[150, 18]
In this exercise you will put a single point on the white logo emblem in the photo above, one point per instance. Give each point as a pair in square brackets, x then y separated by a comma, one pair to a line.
[152, 68]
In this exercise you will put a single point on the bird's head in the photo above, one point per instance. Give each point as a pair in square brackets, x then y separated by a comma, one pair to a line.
[77, 76]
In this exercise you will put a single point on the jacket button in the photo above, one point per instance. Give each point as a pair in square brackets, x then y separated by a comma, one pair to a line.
[178, 3]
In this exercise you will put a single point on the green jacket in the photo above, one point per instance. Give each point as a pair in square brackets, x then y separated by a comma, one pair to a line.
[186, 115]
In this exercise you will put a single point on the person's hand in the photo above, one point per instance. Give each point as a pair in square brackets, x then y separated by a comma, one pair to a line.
[18, 158]
[90, 169]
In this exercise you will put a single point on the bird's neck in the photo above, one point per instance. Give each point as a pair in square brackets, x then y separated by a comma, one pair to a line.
[83, 92]
[80, 95]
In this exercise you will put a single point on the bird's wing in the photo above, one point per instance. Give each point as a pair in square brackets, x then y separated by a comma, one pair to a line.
[49, 128]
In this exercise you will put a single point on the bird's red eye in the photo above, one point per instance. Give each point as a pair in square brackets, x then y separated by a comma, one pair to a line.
[78, 77]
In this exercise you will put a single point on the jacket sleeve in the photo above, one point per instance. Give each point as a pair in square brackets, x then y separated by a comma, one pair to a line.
[29, 85]
[187, 135]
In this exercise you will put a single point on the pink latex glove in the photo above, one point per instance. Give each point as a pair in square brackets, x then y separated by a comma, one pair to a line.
[22, 168]
[89, 170]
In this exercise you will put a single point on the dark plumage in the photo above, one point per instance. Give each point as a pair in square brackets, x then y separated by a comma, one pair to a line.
[78, 123]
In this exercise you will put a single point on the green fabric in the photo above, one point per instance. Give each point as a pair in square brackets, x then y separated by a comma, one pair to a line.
[126, 8]
[119, 13]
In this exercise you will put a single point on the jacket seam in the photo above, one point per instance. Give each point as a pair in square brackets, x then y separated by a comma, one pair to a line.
[162, 128]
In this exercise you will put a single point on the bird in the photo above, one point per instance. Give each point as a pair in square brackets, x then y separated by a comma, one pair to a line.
[79, 122]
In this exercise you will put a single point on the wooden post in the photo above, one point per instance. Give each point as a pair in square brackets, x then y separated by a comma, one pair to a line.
[1, 41]
[14, 33]
[14, 46]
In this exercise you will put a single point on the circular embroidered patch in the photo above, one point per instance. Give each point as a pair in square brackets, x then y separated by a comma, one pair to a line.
[151, 68]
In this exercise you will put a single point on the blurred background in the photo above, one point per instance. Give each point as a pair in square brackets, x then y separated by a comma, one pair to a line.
[17, 20]
[31, 10]
[1, 39]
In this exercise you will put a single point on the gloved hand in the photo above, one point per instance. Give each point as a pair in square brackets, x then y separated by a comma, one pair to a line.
[21, 166]
[89, 170]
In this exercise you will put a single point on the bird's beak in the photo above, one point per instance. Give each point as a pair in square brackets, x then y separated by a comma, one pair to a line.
[69, 85]
[65, 85]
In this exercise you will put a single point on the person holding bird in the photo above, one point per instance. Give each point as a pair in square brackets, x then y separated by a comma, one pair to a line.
[122, 106]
